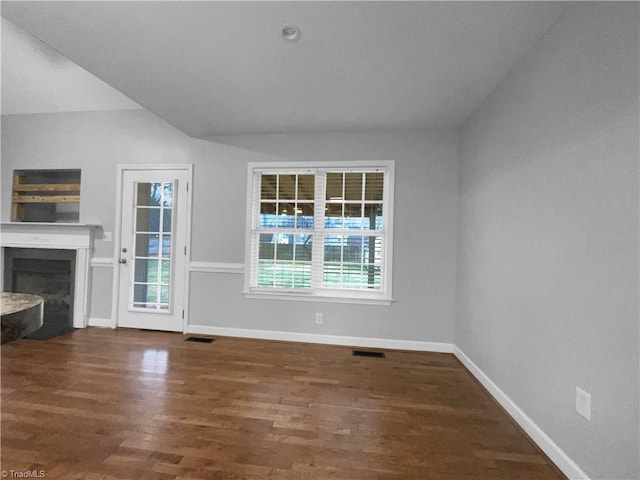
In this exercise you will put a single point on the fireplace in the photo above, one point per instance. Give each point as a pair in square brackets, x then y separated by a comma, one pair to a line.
[49, 273]
[56, 250]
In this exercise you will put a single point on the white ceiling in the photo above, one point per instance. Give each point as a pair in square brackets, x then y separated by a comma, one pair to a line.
[37, 79]
[214, 68]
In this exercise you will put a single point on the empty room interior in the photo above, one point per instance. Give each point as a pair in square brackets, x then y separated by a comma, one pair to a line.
[320, 240]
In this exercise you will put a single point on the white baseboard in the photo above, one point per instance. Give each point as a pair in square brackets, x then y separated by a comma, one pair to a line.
[548, 446]
[101, 322]
[323, 339]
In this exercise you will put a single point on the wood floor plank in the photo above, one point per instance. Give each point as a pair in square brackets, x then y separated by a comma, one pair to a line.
[129, 404]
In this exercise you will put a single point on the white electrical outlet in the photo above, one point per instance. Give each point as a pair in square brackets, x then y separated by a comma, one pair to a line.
[583, 403]
[319, 318]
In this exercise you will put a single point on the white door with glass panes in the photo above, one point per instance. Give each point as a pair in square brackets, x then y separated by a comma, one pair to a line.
[153, 249]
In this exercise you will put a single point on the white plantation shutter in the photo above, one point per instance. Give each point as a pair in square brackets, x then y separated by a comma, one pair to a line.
[316, 267]
[321, 230]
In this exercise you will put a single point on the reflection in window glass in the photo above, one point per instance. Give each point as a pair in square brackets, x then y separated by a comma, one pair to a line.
[147, 219]
[304, 215]
[346, 208]
[306, 187]
[147, 244]
[285, 261]
[374, 186]
[352, 261]
[353, 186]
[286, 201]
[287, 187]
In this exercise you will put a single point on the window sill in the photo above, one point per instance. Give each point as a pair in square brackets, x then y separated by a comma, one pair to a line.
[317, 298]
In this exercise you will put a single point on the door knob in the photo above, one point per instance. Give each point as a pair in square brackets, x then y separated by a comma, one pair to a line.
[122, 260]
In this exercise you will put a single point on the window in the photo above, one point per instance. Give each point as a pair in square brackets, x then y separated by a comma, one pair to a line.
[320, 231]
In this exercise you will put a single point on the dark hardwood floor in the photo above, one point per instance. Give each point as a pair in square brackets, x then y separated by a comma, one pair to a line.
[128, 404]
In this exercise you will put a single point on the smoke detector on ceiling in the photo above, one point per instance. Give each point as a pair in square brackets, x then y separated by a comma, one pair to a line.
[290, 33]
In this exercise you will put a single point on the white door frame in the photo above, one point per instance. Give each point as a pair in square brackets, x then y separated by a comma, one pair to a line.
[118, 227]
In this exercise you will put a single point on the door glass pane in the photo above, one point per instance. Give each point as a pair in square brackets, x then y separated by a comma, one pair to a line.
[166, 220]
[166, 245]
[164, 294]
[145, 296]
[149, 194]
[147, 244]
[146, 271]
[148, 219]
[153, 246]
[167, 195]
[164, 275]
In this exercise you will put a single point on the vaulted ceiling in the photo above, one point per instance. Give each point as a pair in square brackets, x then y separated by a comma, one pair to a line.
[37, 79]
[212, 68]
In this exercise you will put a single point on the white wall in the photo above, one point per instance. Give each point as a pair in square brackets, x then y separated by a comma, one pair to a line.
[424, 238]
[547, 295]
[424, 264]
[96, 142]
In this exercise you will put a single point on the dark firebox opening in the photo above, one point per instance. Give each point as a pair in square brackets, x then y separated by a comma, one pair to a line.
[50, 274]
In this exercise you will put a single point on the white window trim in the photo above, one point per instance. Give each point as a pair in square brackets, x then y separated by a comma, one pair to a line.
[382, 297]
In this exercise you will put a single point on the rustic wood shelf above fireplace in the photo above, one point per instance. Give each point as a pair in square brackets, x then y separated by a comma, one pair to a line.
[44, 192]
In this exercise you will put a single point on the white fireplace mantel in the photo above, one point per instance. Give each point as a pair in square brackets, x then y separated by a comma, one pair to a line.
[63, 236]
[47, 235]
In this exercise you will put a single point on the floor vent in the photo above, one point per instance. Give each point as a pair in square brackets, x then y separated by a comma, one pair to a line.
[367, 353]
[200, 339]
